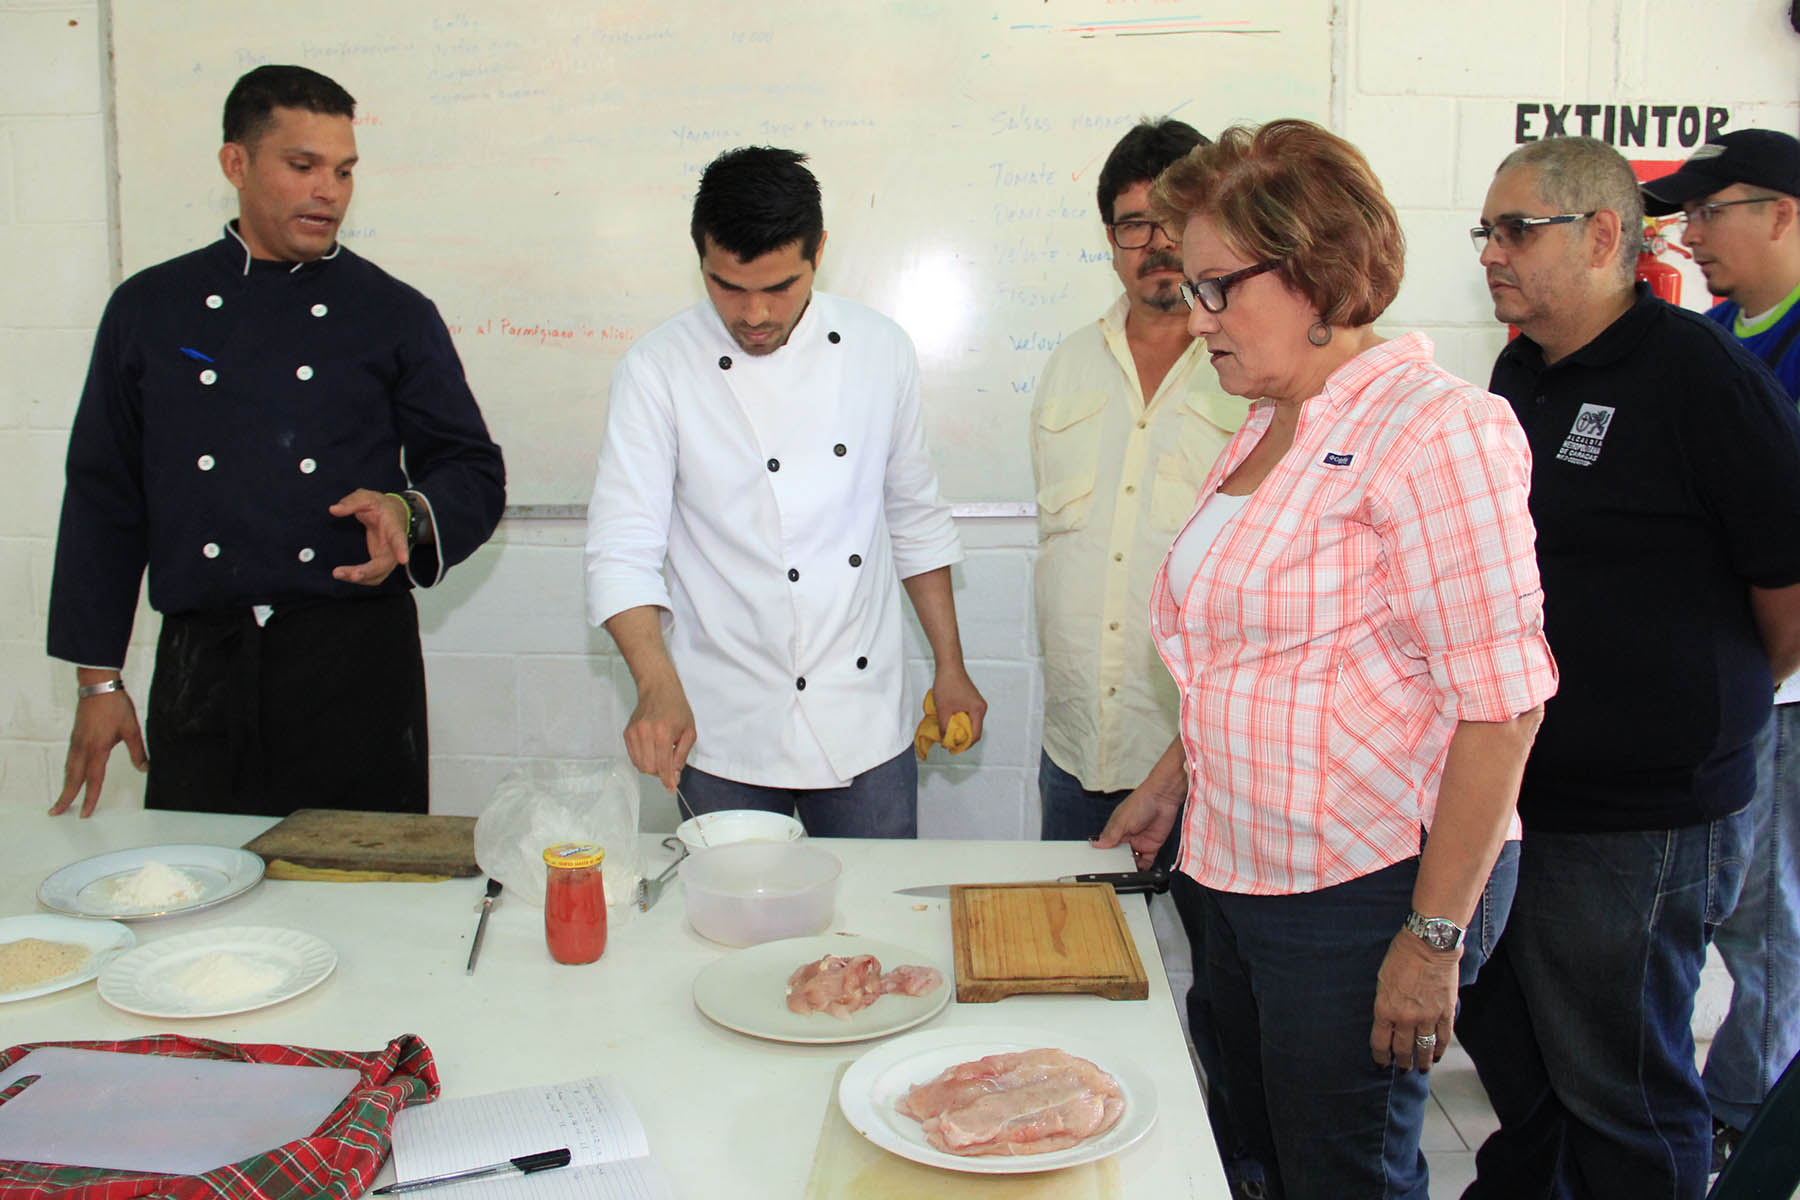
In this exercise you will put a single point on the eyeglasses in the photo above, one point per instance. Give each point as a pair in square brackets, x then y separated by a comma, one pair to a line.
[1210, 293]
[1703, 214]
[1134, 234]
[1509, 233]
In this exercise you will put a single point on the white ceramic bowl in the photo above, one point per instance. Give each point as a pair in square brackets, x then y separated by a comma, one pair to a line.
[738, 825]
[753, 892]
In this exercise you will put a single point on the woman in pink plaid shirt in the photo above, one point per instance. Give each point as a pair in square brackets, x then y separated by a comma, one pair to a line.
[1354, 618]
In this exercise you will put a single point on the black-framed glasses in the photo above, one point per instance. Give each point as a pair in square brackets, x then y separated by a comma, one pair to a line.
[1509, 233]
[1135, 234]
[1210, 293]
[1702, 214]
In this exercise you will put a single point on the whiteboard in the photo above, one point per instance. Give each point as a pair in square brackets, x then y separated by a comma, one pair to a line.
[531, 169]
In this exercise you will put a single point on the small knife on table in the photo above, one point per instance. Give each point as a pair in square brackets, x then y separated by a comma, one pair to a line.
[487, 906]
[1156, 879]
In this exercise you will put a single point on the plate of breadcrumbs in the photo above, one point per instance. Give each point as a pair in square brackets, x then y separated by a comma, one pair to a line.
[41, 953]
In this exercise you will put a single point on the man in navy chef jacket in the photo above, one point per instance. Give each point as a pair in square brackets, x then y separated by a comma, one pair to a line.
[767, 446]
[282, 434]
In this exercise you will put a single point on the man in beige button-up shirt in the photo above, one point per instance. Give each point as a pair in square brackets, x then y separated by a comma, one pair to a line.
[1116, 478]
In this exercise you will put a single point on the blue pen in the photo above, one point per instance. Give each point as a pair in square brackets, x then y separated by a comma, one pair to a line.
[192, 353]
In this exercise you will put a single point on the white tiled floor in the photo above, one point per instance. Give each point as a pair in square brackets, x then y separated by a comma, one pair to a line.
[1456, 1123]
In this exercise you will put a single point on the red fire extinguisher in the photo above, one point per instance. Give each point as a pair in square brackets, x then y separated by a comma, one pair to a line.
[1663, 278]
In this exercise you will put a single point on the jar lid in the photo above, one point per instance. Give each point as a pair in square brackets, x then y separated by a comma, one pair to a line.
[574, 854]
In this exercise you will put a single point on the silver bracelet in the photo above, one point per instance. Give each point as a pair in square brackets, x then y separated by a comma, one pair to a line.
[100, 689]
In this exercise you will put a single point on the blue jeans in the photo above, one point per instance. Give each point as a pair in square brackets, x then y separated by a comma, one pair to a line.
[1580, 1025]
[1292, 985]
[882, 802]
[1760, 940]
[1075, 813]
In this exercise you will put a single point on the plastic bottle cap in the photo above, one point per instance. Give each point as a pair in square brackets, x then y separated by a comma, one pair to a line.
[574, 854]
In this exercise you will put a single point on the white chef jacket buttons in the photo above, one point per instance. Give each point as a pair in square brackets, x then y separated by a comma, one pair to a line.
[209, 377]
[856, 560]
[774, 464]
[303, 374]
[211, 549]
[833, 337]
[839, 450]
[319, 310]
[793, 575]
[214, 300]
[308, 466]
[724, 362]
[862, 664]
[305, 555]
[204, 462]
[800, 684]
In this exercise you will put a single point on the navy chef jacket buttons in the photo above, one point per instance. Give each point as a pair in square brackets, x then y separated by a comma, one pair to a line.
[319, 310]
[793, 575]
[303, 373]
[211, 549]
[214, 300]
[724, 362]
[862, 664]
[833, 337]
[209, 377]
[856, 560]
[839, 450]
[774, 464]
[800, 684]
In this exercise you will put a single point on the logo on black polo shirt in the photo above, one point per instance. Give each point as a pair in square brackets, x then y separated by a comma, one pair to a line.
[1582, 446]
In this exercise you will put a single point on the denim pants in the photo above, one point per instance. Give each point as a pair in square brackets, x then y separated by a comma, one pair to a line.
[1292, 985]
[1074, 813]
[882, 802]
[1760, 940]
[1580, 1026]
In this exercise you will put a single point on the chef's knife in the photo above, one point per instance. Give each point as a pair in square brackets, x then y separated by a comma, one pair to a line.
[487, 906]
[1156, 879]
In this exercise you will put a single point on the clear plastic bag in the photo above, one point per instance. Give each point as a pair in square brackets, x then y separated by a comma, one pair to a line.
[546, 801]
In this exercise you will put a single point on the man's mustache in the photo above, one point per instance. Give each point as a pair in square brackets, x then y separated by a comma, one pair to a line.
[1159, 260]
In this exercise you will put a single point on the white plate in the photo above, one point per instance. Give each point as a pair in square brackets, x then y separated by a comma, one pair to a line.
[879, 1078]
[146, 980]
[747, 991]
[107, 939]
[84, 889]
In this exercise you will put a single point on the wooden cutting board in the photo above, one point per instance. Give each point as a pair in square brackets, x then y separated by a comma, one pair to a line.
[370, 844]
[1016, 939]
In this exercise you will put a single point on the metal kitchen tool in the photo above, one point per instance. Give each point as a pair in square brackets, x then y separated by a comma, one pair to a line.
[487, 906]
[1156, 880]
[650, 890]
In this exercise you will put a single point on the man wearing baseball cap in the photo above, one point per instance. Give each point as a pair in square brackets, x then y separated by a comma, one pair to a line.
[1743, 226]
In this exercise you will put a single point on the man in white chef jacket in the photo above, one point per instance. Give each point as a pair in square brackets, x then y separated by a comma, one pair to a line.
[768, 447]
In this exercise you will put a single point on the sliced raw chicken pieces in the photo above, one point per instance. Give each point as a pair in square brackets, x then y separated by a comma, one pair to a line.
[841, 986]
[1029, 1102]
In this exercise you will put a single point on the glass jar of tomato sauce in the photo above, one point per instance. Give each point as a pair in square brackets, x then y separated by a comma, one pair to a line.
[574, 902]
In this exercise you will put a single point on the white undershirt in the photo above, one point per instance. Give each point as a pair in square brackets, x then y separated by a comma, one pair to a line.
[1202, 529]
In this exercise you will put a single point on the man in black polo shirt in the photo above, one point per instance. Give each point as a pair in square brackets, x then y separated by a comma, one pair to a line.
[1666, 491]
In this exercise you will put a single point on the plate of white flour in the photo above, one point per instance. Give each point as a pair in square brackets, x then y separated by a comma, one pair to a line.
[151, 881]
[217, 972]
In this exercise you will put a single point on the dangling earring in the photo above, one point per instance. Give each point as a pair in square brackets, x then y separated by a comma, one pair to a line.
[1319, 334]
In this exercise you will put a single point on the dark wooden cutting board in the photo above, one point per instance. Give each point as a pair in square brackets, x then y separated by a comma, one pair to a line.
[387, 843]
[1014, 939]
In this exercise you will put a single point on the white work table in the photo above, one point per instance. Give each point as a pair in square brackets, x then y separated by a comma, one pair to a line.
[722, 1110]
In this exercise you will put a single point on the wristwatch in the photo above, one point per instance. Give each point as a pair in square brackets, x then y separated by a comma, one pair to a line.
[1440, 933]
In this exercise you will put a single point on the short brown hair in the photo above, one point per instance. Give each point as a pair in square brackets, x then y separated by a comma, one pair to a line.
[1296, 192]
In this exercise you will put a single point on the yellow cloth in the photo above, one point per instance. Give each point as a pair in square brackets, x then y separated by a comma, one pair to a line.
[957, 738]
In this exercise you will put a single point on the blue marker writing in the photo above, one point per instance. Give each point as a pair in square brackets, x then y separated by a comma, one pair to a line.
[192, 353]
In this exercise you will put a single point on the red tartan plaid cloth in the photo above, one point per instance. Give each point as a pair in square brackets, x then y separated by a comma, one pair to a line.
[339, 1159]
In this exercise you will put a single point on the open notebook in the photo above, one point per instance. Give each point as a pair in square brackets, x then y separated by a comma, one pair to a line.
[609, 1153]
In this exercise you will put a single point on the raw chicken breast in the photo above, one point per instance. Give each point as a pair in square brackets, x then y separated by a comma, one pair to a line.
[834, 985]
[1030, 1102]
[841, 986]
